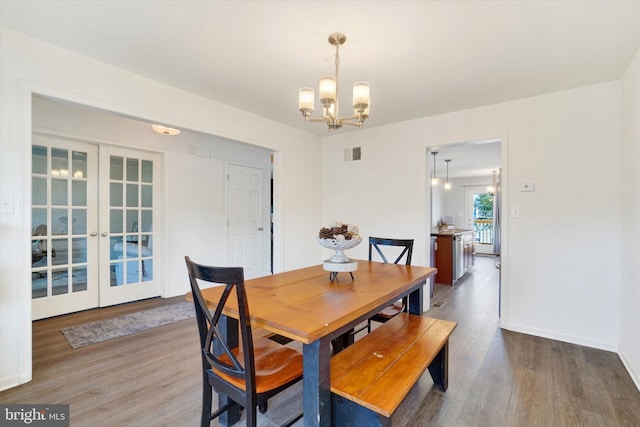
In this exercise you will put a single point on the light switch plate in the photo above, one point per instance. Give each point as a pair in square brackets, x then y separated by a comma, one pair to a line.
[527, 186]
[6, 204]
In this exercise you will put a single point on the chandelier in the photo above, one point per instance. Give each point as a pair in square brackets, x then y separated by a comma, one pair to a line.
[328, 91]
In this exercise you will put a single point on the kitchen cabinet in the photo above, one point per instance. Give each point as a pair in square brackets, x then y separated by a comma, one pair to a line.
[454, 255]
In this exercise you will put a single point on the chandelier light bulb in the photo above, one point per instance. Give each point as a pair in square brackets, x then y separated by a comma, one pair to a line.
[327, 89]
[360, 95]
[305, 99]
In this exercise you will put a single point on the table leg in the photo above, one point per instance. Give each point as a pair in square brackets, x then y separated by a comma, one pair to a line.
[317, 383]
[416, 301]
[229, 328]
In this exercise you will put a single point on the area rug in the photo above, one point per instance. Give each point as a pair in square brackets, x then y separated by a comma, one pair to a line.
[103, 330]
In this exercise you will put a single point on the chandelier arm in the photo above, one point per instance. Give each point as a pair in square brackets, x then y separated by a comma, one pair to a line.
[317, 120]
[356, 124]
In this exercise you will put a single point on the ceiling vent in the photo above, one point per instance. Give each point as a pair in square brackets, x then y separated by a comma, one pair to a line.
[351, 154]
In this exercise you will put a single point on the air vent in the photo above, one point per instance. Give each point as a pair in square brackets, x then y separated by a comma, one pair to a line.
[351, 154]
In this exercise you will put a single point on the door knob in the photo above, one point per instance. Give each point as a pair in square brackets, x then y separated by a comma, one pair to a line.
[260, 228]
[94, 234]
[104, 234]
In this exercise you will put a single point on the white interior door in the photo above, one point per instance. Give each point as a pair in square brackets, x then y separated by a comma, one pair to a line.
[64, 243]
[245, 218]
[129, 219]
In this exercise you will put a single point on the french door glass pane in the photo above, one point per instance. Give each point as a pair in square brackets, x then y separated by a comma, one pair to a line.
[59, 222]
[115, 220]
[147, 171]
[132, 195]
[79, 253]
[115, 190]
[146, 218]
[39, 160]
[79, 221]
[60, 282]
[79, 279]
[79, 193]
[59, 162]
[38, 191]
[59, 192]
[60, 251]
[39, 284]
[146, 196]
[132, 169]
[79, 164]
[116, 168]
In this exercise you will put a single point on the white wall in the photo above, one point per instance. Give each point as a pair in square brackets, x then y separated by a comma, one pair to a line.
[30, 66]
[561, 258]
[630, 280]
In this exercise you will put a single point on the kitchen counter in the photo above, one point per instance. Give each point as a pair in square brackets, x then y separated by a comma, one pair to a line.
[454, 254]
[454, 232]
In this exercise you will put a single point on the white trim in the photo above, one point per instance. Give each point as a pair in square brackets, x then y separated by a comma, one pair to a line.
[627, 364]
[23, 196]
[278, 211]
[544, 333]
[503, 138]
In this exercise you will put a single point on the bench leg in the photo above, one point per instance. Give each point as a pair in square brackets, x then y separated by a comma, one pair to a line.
[439, 368]
[345, 413]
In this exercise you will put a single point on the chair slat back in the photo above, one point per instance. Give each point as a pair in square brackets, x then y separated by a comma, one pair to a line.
[217, 349]
[377, 242]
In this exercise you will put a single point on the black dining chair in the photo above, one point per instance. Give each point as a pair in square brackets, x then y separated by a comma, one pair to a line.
[405, 246]
[249, 371]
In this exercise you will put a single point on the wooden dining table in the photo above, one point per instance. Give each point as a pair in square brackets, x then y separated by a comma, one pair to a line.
[306, 306]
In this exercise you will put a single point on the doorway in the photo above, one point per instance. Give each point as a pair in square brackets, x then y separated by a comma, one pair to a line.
[89, 251]
[470, 172]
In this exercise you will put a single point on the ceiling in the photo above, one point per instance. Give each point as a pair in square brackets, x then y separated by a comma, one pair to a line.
[421, 57]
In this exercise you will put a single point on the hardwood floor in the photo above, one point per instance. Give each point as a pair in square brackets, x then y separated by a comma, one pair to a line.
[496, 377]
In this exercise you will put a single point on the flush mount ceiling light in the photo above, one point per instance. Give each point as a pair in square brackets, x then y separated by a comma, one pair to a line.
[447, 184]
[163, 130]
[434, 178]
[328, 90]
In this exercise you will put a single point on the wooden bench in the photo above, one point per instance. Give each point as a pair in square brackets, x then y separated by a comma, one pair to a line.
[370, 378]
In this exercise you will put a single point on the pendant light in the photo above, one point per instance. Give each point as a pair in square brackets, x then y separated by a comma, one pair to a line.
[447, 184]
[434, 178]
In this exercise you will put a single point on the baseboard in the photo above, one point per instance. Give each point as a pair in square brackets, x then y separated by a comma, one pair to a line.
[10, 382]
[543, 333]
[634, 376]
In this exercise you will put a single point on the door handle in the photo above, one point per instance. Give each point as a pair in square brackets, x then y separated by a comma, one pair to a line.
[93, 234]
[104, 234]
[260, 228]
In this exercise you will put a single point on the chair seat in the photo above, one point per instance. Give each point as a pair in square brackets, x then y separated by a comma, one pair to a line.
[390, 311]
[276, 365]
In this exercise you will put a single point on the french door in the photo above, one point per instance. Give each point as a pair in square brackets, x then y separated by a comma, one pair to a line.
[130, 183]
[64, 245]
[92, 216]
